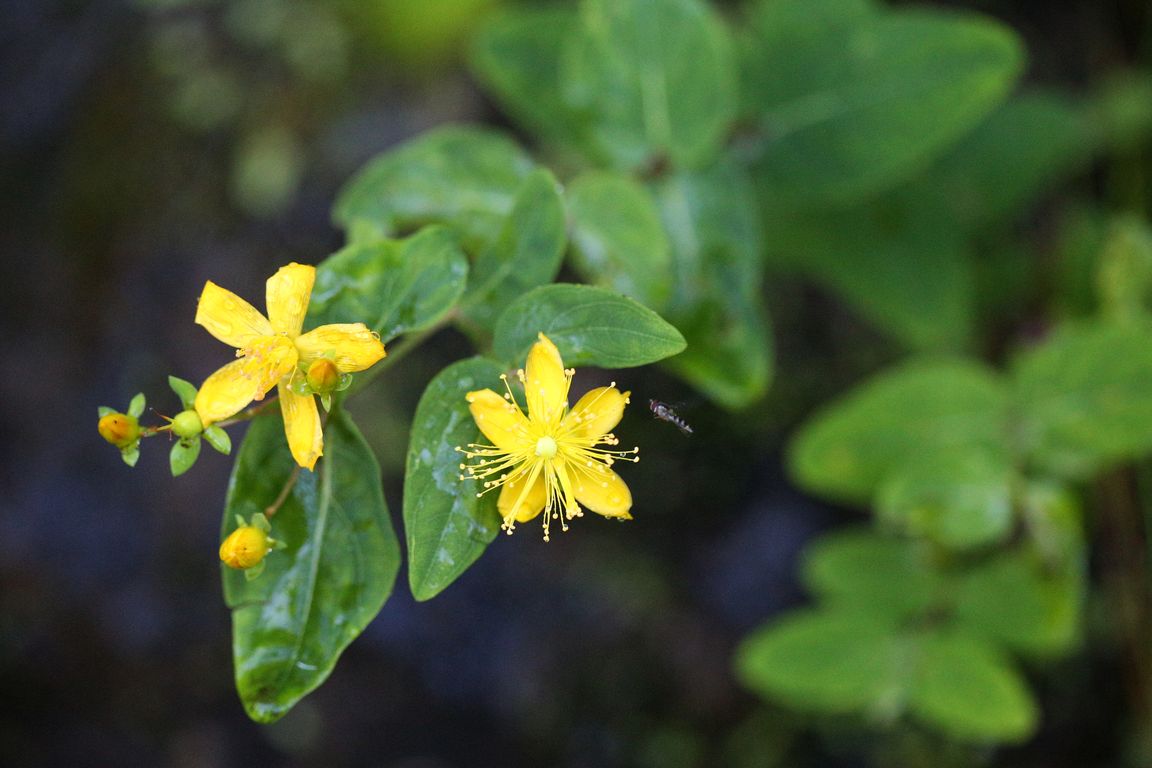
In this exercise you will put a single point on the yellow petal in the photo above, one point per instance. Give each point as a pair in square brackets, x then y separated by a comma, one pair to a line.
[530, 504]
[602, 491]
[499, 420]
[353, 347]
[545, 385]
[302, 427]
[229, 318]
[227, 392]
[287, 293]
[597, 412]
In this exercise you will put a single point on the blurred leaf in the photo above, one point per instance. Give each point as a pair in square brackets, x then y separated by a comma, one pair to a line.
[970, 692]
[1122, 111]
[526, 253]
[653, 79]
[905, 272]
[266, 171]
[1010, 600]
[137, 404]
[711, 220]
[393, 286]
[1125, 273]
[448, 525]
[863, 107]
[617, 239]
[1084, 397]
[925, 406]
[465, 177]
[826, 662]
[318, 593]
[864, 571]
[957, 499]
[590, 326]
[517, 56]
[1025, 146]
[183, 455]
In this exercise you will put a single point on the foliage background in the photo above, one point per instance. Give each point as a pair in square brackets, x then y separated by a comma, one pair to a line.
[145, 148]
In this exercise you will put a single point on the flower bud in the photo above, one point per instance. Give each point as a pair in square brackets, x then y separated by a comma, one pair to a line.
[323, 376]
[245, 547]
[187, 424]
[120, 429]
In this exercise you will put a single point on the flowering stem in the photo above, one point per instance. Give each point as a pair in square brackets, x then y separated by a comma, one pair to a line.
[274, 507]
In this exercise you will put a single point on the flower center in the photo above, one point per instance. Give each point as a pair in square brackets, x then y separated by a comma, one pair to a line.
[546, 447]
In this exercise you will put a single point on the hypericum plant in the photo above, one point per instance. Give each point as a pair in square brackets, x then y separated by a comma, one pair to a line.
[881, 152]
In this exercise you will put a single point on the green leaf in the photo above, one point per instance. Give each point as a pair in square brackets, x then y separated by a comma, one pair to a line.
[1012, 599]
[185, 390]
[957, 499]
[337, 569]
[716, 301]
[590, 326]
[464, 177]
[618, 241]
[968, 691]
[527, 252]
[925, 406]
[654, 78]
[136, 407]
[1084, 397]
[826, 662]
[1125, 274]
[517, 56]
[859, 109]
[907, 272]
[218, 439]
[860, 570]
[447, 525]
[393, 286]
[131, 454]
[104, 410]
[183, 455]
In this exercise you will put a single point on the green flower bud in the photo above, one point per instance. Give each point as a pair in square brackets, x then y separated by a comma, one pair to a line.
[187, 424]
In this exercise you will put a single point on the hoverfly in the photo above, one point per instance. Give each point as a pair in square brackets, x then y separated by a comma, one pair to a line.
[665, 412]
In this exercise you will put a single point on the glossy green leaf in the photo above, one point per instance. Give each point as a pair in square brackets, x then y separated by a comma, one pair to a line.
[654, 79]
[926, 406]
[218, 439]
[957, 499]
[185, 390]
[861, 108]
[1084, 396]
[290, 625]
[392, 286]
[517, 56]
[527, 252]
[1013, 599]
[618, 241]
[590, 326]
[826, 662]
[465, 177]
[715, 233]
[968, 691]
[862, 570]
[183, 455]
[447, 525]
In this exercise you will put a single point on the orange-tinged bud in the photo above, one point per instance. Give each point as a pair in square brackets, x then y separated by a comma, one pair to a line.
[245, 547]
[120, 429]
[323, 376]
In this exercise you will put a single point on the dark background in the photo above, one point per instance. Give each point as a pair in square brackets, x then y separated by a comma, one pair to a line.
[145, 148]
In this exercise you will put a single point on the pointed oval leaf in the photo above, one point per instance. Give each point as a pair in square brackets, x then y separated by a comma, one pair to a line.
[316, 595]
[392, 286]
[527, 252]
[590, 326]
[183, 455]
[446, 524]
[465, 177]
[185, 390]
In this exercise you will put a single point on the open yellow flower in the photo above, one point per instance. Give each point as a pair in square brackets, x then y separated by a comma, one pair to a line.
[274, 353]
[549, 460]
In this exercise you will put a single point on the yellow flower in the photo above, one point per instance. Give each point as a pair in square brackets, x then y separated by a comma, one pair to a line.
[245, 547]
[551, 459]
[274, 353]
